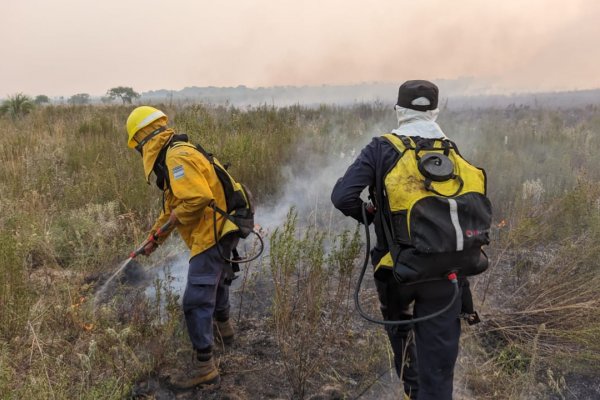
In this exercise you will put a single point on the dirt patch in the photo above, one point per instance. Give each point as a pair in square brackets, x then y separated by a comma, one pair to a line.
[579, 387]
[252, 367]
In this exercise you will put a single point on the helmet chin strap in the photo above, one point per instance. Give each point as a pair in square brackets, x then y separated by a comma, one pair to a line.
[148, 138]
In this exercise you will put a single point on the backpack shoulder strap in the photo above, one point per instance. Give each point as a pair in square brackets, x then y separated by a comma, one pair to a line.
[400, 142]
[161, 160]
[209, 156]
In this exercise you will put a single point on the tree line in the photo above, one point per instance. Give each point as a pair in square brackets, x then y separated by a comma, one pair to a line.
[21, 104]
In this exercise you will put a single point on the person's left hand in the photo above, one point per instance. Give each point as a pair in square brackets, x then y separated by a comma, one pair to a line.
[150, 246]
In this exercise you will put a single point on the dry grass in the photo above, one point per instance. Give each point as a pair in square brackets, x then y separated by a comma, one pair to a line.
[542, 302]
[312, 308]
[75, 201]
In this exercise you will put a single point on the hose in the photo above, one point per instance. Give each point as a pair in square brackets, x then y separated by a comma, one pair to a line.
[236, 260]
[451, 277]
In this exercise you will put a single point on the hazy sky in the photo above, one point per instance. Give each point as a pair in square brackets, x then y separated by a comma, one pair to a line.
[62, 47]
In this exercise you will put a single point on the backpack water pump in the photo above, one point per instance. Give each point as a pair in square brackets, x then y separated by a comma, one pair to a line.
[434, 214]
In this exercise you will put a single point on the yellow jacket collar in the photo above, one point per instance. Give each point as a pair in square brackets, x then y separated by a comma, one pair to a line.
[152, 148]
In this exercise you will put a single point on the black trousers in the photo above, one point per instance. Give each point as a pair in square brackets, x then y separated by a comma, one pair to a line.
[424, 353]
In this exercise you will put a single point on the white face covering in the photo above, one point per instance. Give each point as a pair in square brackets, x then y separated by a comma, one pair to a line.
[418, 123]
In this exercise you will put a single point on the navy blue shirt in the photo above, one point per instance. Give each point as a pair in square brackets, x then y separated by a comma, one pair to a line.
[368, 170]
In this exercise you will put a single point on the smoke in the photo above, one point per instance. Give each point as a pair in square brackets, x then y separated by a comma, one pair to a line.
[307, 192]
[309, 181]
[169, 268]
[538, 44]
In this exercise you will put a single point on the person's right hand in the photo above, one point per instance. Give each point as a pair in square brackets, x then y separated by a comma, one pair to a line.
[150, 246]
[371, 209]
[370, 212]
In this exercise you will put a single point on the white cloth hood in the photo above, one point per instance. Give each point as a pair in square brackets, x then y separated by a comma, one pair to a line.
[418, 123]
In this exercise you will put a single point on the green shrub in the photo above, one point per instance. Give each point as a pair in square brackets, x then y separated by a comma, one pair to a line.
[311, 300]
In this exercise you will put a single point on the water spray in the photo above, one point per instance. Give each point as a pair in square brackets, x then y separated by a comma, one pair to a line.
[141, 250]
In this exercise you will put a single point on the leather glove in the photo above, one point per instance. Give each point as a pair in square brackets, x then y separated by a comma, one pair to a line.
[151, 245]
[229, 274]
[371, 210]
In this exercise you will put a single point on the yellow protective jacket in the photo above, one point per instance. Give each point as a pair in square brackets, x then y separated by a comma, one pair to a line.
[193, 186]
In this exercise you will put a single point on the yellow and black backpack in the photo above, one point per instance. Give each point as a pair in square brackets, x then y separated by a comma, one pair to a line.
[434, 211]
[238, 218]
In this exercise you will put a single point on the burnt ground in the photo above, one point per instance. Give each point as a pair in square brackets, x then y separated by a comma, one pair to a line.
[253, 366]
[248, 370]
[580, 386]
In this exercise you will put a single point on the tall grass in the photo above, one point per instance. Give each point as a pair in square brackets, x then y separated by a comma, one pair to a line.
[15, 294]
[311, 300]
[543, 316]
[74, 202]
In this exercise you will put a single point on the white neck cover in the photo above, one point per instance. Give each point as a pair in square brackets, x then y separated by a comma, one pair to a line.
[418, 123]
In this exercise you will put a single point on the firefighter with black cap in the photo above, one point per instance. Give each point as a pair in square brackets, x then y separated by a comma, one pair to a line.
[424, 353]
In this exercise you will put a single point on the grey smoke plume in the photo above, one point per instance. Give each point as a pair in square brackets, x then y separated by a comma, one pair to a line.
[169, 267]
[307, 192]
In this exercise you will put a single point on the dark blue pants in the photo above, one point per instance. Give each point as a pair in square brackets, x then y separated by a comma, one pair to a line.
[424, 353]
[206, 296]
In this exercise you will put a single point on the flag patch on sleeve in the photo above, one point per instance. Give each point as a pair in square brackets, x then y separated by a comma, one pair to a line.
[178, 172]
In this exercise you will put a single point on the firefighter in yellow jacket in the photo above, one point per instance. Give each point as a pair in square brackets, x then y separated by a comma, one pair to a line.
[190, 185]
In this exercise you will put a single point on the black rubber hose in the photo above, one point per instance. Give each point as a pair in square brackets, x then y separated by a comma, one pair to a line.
[239, 260]
[362, 275]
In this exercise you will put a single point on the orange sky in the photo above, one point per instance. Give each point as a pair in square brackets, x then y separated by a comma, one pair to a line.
[62, 47]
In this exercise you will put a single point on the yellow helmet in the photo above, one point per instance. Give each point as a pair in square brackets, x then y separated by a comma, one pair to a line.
[140, 118]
